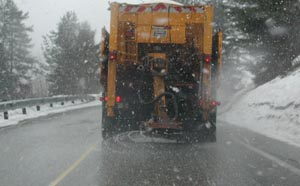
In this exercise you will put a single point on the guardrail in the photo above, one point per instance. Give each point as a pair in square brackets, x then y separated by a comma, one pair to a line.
[37, 102]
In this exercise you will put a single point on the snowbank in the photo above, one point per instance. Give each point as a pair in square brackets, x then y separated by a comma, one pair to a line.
[15, 116]
[272, 109]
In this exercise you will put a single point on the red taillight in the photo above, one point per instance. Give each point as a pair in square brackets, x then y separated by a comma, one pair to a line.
[113, 55]
[207, 58]
[104, 99]
[215, 103]
[118, 99]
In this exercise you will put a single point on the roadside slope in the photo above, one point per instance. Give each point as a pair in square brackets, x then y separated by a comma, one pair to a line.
[272, 109]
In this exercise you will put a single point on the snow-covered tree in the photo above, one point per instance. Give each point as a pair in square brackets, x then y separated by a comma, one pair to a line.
[15, 60]
[70, 51]
[273, 27]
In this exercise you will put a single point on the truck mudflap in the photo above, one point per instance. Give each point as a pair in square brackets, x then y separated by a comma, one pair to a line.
[150, 125]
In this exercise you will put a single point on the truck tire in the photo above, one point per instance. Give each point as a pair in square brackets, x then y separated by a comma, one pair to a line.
[211, 135]
[107, 126]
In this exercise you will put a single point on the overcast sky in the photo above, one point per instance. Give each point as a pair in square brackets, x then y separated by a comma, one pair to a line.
[45, 14]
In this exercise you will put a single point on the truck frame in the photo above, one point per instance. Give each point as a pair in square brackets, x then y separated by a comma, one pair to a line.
[160, 69]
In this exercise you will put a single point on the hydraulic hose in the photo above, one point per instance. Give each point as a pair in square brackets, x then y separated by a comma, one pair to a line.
[158, 98]
[160, 74]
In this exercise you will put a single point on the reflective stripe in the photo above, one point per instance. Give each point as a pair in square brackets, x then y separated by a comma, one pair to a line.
[160, 7]
[129, 8]
[144, 9]
[199, 10]
[186, 9]
[175, 9]
[141, 9]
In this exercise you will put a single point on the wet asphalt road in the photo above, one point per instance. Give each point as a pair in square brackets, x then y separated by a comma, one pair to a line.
[67, 149]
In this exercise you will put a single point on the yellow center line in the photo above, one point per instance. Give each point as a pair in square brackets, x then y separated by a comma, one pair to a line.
[73, 166]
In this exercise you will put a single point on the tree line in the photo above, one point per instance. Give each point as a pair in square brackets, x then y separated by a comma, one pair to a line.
[70, 52]
[269, 28]
[16, 61]
[266, 28]
[72, 55]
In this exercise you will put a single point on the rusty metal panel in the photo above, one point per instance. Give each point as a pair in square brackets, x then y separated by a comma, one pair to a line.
[179, 18]
[160, 18]
[112, 65]
[178, 34]
[130, 17]
[143, 33]
[208, 30]
[145, 18]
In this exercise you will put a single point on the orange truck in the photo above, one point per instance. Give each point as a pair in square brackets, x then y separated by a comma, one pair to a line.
[160, 69]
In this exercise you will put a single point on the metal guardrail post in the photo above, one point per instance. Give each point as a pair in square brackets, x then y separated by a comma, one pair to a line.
[5, 115]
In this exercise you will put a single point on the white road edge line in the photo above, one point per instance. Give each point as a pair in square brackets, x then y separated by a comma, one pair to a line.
[280, 162]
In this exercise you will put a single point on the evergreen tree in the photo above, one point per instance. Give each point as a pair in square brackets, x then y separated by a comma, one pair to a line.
[273, 26]
[15, 44]
[88, 56]
[70, 52]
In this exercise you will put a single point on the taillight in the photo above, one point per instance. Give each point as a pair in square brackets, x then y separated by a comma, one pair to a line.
[207, 58]
[118, 99]
[215, 103]
[113, 55]
[105, 99]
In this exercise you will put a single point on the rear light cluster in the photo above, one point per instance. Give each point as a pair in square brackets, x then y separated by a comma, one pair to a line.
[118, 99]
[113, 55]
[213, 103]
[207, 58]
[105, 99]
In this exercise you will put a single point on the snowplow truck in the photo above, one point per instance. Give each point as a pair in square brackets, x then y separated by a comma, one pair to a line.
[160, 68]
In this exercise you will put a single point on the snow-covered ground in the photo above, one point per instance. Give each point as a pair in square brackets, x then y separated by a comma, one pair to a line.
[15, 116]
[272, 109]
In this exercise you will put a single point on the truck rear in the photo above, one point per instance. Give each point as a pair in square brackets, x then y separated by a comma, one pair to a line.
[160, 67]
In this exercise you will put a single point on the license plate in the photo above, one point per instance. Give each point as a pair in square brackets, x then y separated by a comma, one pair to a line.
[159, 32]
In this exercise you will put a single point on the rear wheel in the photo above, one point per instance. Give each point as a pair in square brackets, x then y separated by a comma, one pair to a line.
[212, 132]
[107, 125]
[198, 132]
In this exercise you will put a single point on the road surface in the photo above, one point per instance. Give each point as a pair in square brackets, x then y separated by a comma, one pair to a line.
[67, 149]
